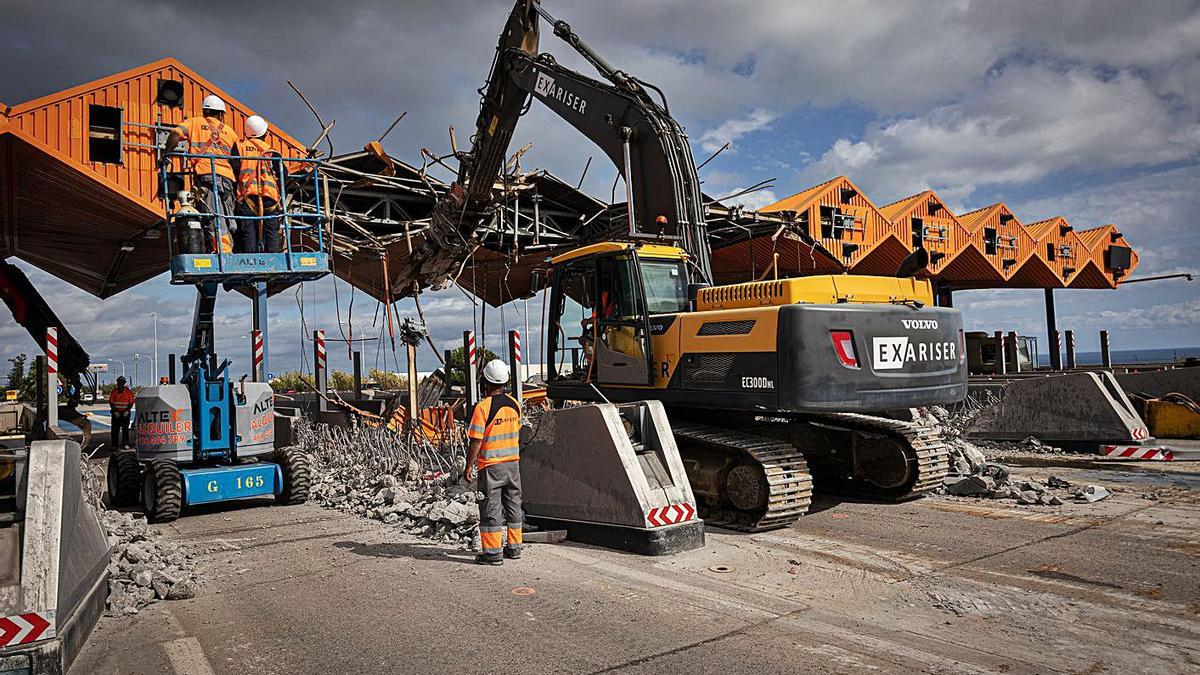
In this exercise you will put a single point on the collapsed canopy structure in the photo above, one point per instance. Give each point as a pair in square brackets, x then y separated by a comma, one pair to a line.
[80, 197]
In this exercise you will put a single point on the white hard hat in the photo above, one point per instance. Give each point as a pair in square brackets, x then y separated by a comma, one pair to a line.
[213, 102]
[256, 126]
[496, 372]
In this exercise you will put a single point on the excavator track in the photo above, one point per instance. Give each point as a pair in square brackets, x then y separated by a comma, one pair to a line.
[773, 468]
[926, 456]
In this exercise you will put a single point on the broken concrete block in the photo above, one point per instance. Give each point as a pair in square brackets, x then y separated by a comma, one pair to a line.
[1027, 497]
[1033, 485]
[182, 591]
[971, 486]
[458, 513]
[997, 472]
[1056, 482]
[1091, 493]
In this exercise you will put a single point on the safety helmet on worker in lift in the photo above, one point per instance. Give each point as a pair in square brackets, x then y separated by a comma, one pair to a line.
[496, 372]
[256, 127]
[213, 102]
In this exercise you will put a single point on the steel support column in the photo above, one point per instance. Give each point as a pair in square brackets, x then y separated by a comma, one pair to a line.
[1055, 344]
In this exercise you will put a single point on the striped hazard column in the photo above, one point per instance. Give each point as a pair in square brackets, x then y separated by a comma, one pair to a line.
[470, 368]
[319, 370]
[52, 377]
[256, 356]
[514, 364]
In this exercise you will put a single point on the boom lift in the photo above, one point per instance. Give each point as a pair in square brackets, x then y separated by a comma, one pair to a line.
[208, 439]
[763, 381]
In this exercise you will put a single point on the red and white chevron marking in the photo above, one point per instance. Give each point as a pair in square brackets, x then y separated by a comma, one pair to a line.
[1137, 452]
[52, 350]
[20, 629]
[516, 345]
[258, 348]
[471, 348]
[319, 341]
[670, 515]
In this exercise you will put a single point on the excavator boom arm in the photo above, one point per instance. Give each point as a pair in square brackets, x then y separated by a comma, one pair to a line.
[637, 134]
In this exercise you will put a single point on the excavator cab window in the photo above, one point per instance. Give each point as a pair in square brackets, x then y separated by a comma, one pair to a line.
[598, 322]
[572, 301]
[666, 285]
[621, 337]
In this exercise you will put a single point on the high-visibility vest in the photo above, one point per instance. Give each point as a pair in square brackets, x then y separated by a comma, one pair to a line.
[257, 178]
[209, 136]
[121, 401]
[496, 421]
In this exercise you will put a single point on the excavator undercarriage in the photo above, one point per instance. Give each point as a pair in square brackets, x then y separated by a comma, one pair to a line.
[758, 474]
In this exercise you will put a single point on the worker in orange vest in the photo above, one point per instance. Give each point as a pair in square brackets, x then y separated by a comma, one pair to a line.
[494, 455]
[257, 191]
[120, 404]
[209, 135]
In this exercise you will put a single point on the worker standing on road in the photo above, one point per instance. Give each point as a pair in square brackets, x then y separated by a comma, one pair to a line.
[209, 135]
[495, 432]
[120, 403]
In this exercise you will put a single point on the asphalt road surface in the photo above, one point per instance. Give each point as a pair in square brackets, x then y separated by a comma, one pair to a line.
[934, 585]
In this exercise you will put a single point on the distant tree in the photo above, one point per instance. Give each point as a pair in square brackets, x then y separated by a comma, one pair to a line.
[456, 363]
[388, 381]
[16, 374]
[340, 380]
[293, 380]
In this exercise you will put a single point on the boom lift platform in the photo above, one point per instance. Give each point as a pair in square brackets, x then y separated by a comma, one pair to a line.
[208, 439]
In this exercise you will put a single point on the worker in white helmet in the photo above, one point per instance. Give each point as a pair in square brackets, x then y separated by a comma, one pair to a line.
[259, 174]
[494, 455]
[209, 134]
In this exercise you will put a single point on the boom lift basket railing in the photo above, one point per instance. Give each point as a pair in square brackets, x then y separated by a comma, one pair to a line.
[304, 254]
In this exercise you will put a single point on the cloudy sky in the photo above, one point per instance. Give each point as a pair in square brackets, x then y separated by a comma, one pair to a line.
[1090, 110]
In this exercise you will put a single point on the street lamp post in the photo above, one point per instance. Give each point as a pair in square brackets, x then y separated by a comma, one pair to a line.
[154, 315]
[120, 362]
[136, 358]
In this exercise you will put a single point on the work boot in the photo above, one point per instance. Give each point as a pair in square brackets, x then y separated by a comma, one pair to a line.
[489, 559]
[512, 553]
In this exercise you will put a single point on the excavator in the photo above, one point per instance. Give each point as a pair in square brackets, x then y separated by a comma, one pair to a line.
[768, 384]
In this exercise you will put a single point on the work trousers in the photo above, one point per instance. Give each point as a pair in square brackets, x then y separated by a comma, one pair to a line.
[247, 239]
[120, 429]
[500, 509]
[218, 199]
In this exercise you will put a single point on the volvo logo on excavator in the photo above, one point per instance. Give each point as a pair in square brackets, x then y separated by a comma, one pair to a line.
[546, 88]
[919, 324]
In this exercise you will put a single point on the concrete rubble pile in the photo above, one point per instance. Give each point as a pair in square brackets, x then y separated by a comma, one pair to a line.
[403, 480]
[972, 475]
[144, 566]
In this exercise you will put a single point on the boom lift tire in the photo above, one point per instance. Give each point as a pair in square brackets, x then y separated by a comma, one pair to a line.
[162, 491]
[297, 476]
[124, 479]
